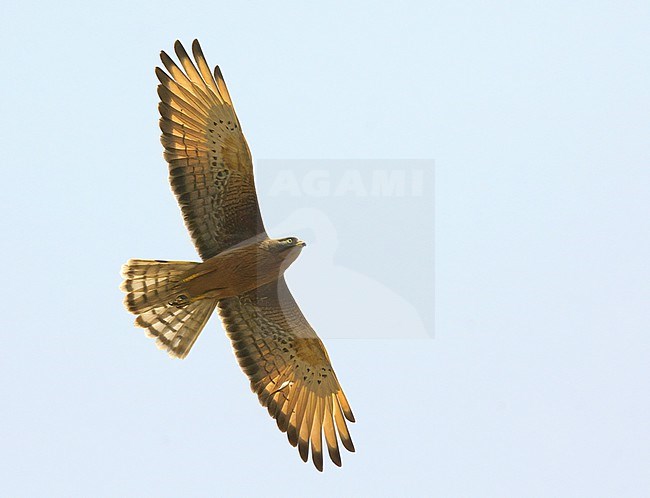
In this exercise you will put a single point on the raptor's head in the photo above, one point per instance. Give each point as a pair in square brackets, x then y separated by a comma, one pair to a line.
[287, 248]
[287, 244]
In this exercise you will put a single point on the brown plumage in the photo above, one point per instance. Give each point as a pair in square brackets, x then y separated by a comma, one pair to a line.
[211, 174]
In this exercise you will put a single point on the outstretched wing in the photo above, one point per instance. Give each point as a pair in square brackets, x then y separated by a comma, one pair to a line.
[210, 165]
[289, 369]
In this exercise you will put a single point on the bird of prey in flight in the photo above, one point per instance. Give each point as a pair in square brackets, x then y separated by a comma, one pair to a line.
[211, 175]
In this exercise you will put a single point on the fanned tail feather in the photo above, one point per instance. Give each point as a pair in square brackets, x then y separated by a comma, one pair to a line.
[151, 287]
[150, 283]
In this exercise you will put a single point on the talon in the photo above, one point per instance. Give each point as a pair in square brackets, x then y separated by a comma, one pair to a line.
[180, 302]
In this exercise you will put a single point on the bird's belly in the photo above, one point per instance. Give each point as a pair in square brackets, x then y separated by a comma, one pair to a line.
[222, 279]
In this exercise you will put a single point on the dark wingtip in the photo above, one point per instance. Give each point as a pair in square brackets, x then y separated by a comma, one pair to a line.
[162, 95]
[335, 455]
[303, 449]
[317, 458]
[180, 50]
[292, 435]
[348, 444]
[161, 74]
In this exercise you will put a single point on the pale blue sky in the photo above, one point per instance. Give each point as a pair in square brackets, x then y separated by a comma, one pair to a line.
[537, 115]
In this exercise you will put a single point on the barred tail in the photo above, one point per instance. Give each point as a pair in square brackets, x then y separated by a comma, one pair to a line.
[151, 285]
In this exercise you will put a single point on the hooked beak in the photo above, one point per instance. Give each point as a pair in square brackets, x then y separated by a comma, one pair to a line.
[301, 243]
